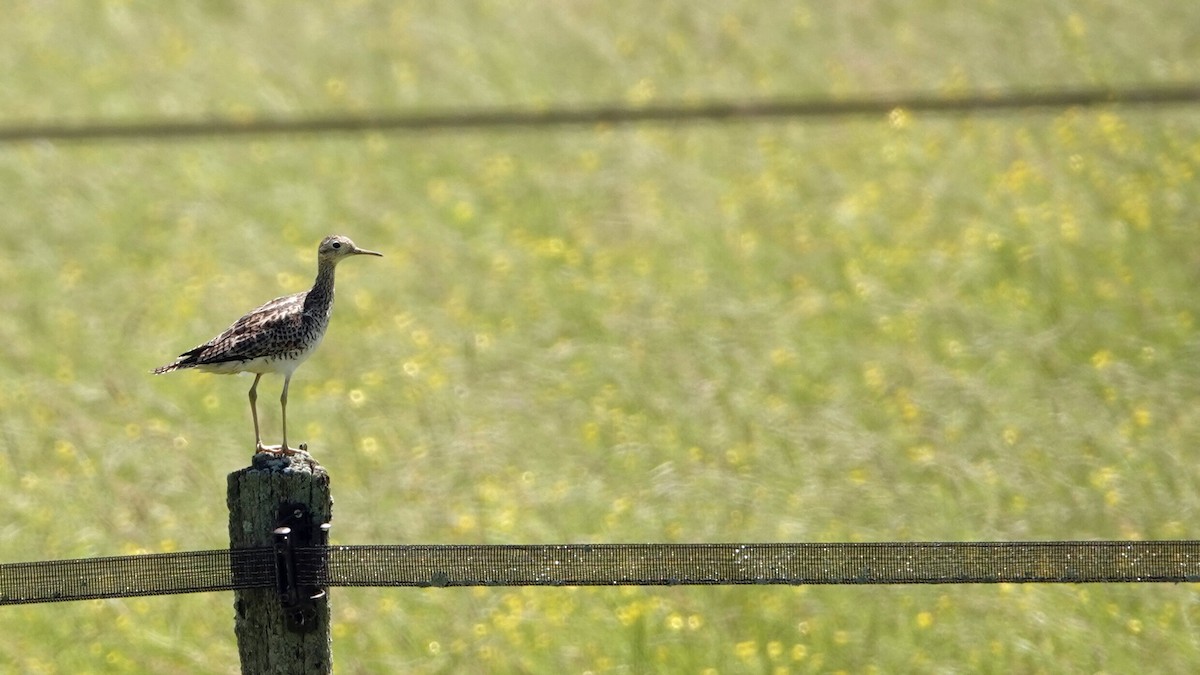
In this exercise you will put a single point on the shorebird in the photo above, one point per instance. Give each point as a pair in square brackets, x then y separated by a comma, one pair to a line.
[275, 338]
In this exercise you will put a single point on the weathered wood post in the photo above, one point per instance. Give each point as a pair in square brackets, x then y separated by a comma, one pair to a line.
[277, 633]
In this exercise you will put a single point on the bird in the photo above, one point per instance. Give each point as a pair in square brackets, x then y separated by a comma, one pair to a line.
[276, 337]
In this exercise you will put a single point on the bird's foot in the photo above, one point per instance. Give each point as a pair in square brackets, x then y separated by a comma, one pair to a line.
[272, 449]
[281, 450]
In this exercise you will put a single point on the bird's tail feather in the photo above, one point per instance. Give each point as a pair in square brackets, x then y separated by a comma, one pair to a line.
[187, 359]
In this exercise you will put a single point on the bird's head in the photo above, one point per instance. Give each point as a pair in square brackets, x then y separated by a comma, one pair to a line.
[336, 247]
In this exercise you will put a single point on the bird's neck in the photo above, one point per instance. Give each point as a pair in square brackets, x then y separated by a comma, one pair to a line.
[321, 295]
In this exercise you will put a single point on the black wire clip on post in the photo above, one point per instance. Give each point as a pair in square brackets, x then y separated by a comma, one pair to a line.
[294, 530]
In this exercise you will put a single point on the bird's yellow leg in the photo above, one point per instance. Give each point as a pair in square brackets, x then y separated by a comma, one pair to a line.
[258, 446]
[254, 411]
[287, 379]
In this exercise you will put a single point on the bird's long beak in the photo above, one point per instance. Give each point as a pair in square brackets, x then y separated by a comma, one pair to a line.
[363, 251]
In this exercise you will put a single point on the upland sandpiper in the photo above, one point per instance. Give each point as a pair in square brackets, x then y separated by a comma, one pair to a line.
[275, 338]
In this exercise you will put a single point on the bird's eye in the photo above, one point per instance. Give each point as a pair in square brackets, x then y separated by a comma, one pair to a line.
[337, 244]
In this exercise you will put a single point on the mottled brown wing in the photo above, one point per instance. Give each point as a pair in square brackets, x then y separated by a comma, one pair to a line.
[269, 329]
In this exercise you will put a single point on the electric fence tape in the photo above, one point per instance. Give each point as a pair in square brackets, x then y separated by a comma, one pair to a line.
[607, 565]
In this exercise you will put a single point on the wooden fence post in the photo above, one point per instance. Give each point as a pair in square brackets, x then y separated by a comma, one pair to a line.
[291, 491]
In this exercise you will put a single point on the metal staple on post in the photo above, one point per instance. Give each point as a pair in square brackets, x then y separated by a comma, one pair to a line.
[296, 530]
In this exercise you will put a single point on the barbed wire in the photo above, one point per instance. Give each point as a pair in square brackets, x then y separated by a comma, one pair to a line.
[665, 113]
[605, 565]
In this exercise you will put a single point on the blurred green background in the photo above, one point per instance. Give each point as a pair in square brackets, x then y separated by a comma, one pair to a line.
[898, 328]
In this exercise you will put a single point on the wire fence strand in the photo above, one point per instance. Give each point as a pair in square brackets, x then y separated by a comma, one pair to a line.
[607, 565]
[666, 113]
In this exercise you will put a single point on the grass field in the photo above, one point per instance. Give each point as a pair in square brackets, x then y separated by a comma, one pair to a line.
[905, 328]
